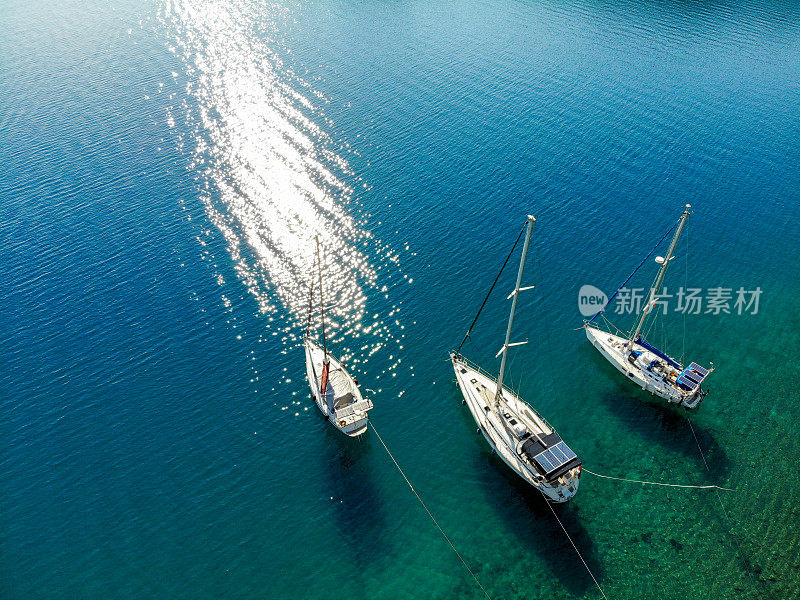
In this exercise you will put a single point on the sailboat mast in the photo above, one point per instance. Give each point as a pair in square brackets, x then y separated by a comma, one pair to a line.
[531, 221]
[660, 277]
[321, 301]
[310, 304]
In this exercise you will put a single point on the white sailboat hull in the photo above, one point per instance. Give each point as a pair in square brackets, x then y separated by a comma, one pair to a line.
[659, 382]
[478, 390]
[341, 403]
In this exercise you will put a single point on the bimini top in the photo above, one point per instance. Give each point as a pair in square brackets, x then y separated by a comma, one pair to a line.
[553, 461]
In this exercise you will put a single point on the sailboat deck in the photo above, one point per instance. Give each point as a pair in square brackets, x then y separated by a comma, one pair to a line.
[484, 392]
[664, 377]
[521, 437]
[342, 400]
[487, 394]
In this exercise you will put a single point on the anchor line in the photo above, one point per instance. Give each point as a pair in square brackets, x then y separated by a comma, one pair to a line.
[430, 514]
[578, 552]
[695, 487]
[742, 555]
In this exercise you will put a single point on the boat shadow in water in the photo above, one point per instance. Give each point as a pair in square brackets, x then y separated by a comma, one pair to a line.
[526, 514]
[358, 507]
[657, 421]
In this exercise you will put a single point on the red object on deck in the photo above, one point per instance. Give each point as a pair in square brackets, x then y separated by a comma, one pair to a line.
[323, 386]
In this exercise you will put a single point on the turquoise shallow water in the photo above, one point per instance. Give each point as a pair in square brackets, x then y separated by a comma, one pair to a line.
[164, 169]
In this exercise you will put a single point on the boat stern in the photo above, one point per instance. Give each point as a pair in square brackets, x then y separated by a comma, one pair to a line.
[690, 381]
[567, 486]
[353, 420]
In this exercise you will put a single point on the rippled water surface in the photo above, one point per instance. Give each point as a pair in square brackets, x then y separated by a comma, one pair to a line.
[165, 169]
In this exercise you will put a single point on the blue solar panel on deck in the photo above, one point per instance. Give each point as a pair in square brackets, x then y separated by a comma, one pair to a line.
[693, 376]
[570, 454]
[700, 370]
[562, 449]
[543, 460]
[558, 454]
[555, 457]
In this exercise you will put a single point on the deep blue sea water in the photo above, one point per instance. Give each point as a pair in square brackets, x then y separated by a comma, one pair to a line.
[164, 168]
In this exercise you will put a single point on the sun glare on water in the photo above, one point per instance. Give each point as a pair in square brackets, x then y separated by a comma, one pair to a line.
[272, 179]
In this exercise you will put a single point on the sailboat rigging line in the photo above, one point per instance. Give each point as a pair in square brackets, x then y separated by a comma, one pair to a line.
[624, 283]
[609, 323]
[485, 300]
[321, 301]
[695, 487]
[742, 556]
[430, 514]
[588, 570]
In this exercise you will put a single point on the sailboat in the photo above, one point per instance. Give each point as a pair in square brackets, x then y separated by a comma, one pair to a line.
[640, 361]
[333, 389]
[516, 432]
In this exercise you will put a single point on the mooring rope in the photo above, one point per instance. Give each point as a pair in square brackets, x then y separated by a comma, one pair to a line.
[430, 514]
[696, 487]
[578, 552]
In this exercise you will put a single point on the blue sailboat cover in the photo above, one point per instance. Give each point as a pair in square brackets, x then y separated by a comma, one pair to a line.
[659, 353]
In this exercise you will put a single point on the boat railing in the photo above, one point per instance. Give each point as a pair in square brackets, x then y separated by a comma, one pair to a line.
[474, 367]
